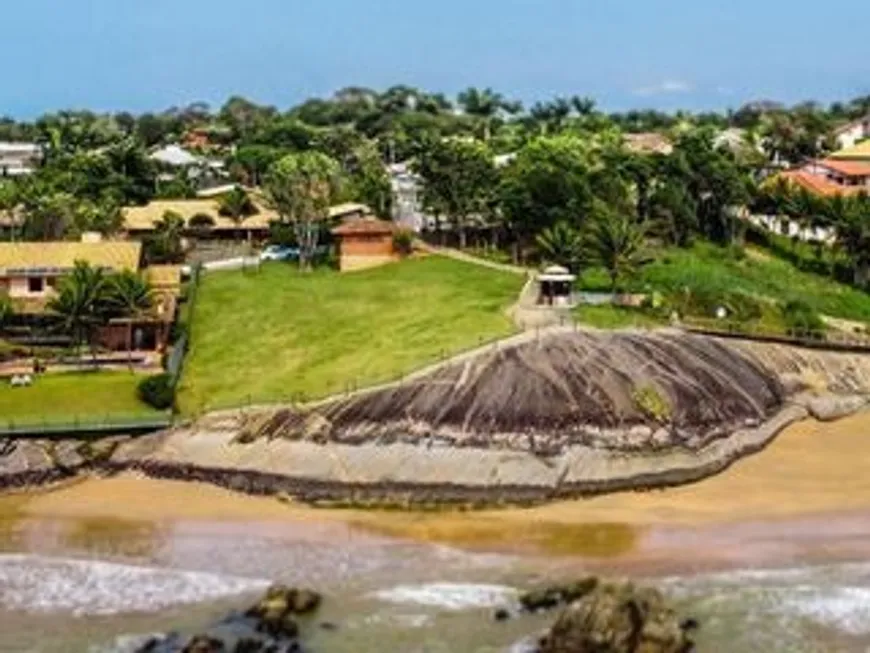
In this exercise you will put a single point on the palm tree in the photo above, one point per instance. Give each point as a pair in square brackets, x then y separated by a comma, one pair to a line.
[165, 244]
[129, 295]
[237, 205]
[80, 303]
[562, 244]
[584, 106]
[616, 242]
[486, 104]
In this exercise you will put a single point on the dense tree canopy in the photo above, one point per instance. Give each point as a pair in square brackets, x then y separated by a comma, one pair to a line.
[538, 178]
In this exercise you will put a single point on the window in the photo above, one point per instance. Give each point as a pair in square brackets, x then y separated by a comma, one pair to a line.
[35, 284]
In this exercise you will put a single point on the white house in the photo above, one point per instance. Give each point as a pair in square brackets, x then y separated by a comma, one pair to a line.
[851, 134]
[175, 156]
[17, 159]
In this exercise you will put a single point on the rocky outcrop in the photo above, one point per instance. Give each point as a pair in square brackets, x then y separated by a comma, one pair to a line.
[606, 617]
[271, 625]
[27, 462]
[570, 414]
[621, 391]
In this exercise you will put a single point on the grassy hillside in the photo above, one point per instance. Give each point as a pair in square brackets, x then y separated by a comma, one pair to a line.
[269, 335]
[755, 273]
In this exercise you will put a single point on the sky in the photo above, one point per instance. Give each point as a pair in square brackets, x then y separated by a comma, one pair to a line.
[140, 55]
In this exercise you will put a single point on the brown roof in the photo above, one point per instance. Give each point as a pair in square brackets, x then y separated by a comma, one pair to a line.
[818, 184]
[369, 225]
[143, 218]
[114, 255]
[848, 168]
[648, 143]
[164, 276]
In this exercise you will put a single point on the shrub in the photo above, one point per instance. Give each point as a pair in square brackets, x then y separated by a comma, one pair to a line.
[403, 242]
[654, 405]
[201, 221]
[705, 302]
[801, 319]
[157, 391]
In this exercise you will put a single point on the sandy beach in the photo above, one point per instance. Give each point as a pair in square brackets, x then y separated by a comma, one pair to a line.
[811, 480]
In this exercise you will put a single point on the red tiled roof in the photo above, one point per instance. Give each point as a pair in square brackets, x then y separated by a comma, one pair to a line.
[848, 168]
[818, 184]
[369, 225]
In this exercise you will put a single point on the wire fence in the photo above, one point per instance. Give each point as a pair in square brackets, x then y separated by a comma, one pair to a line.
[347, 387]
[827, 339]
[84, 424]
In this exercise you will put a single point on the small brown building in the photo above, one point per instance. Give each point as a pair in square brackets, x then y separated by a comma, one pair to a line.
[365, 243]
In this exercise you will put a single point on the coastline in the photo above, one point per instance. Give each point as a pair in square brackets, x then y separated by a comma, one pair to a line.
[806, 497]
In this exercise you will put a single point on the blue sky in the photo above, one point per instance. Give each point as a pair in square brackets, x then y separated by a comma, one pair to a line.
[150, 54]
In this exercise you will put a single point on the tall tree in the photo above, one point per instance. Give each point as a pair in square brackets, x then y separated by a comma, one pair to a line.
[301, 188]
[459, 181]
[549, 181]
[850, 218]
[368, 181]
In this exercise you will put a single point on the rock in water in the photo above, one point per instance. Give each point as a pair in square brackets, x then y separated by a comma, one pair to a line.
[268, 626]
[553, 596]
[619, 618]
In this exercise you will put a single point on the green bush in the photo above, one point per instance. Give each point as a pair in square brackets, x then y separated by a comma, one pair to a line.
[157, 391]
[403, 242]
[653, 403]
[801, 319]
[705, 303]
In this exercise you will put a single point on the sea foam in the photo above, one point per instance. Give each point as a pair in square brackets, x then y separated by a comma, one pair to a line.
[35, 583]
[450, 596]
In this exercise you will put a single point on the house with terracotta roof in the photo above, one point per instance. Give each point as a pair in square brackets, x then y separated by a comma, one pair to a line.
[30, 273]
[843, 172]
[365, 243]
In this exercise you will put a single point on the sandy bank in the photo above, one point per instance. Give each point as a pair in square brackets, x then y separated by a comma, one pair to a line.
[809, 484]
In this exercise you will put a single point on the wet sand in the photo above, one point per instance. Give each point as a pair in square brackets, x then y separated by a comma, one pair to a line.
[806, 496]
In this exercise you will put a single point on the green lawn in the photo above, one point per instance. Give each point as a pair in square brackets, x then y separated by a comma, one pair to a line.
[720, 270]
[616, 317]
[271, 335]
[87, 397]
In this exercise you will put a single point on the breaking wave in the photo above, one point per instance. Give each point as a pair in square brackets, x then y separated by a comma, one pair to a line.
[35, 583]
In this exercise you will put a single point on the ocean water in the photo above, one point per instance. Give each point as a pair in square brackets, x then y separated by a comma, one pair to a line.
[102, 586]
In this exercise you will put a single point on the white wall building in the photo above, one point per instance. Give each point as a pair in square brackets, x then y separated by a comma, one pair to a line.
[17, 159]
[850, 135]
